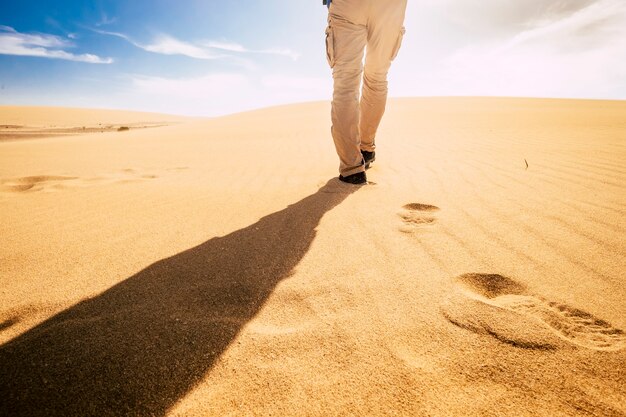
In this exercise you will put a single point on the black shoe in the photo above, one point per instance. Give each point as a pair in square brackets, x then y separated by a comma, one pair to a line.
[368, 158]
[357, 179]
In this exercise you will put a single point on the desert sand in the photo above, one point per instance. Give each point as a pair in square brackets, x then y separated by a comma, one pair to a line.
[20, 122]
[217, 267]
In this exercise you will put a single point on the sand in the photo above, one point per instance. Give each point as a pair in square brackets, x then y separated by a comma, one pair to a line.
[20, 122]
[218, 268]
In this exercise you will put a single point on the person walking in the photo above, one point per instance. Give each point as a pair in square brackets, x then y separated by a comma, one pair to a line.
[356, 26]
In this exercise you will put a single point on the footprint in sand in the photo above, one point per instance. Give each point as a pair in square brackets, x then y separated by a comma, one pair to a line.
[128, 175]
[16, 319]
[58, 182]
[5, 324]
[32, 183]
[416, 215]
[496, 305]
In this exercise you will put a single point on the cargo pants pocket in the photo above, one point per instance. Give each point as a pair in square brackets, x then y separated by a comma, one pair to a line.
[330, 46]
[398, 44]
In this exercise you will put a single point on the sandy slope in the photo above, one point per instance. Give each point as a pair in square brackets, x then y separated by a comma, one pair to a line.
[20, 122]
[216, 267]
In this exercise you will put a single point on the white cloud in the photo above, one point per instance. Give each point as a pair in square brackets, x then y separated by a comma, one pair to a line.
[234, 47]
[496, 16]
[168, 45]
[591, 23]
[562, 57]
[106, 20]
[42, 45]
[226, 46]
[547, 48]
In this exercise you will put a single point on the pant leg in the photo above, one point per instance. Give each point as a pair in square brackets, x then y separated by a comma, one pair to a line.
[385, 32]
[346, 40]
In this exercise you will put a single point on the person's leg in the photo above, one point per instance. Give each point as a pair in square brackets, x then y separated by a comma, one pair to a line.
[346, 39]
[385, 31]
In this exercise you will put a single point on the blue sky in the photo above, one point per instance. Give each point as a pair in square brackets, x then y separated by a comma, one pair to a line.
[206, 57]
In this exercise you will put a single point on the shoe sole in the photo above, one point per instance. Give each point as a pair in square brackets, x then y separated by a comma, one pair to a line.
[343, 179]
[353, 183]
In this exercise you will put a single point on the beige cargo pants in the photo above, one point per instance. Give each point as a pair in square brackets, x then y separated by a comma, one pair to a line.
[354, 25]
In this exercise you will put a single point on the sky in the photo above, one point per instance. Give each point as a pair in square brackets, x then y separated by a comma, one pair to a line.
[210, 58]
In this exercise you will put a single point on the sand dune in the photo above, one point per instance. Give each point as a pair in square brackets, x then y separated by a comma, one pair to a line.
[218, 267]
[20, 122]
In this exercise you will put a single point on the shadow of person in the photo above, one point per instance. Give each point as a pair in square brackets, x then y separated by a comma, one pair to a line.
[139, 347]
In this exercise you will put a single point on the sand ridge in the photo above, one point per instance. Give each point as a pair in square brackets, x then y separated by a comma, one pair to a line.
[23, 122]
[218, 267]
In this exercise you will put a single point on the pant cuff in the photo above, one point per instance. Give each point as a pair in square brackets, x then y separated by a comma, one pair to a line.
[352, 171]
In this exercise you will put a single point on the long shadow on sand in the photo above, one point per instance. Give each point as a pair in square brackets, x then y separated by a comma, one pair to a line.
[139, 347]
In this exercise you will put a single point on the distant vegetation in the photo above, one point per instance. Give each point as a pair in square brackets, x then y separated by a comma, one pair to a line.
[123, 128]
